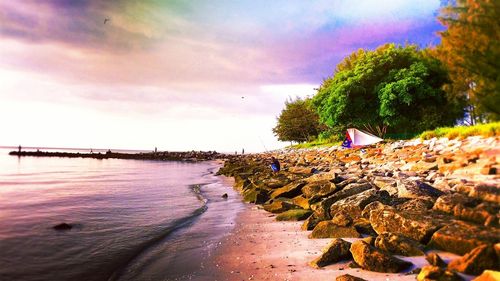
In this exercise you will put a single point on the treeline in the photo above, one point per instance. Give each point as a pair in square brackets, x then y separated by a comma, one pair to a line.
[406, 90]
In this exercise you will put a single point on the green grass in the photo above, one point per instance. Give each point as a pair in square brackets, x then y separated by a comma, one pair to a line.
[316, 143]
[461, 132]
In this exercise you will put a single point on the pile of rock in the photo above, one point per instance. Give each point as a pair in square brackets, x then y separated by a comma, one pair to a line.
[404, 197]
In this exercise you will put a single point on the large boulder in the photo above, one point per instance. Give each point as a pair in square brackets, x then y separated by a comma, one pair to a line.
[322, 209]
[460, 237]
[318, 189]
[336, 251]
[399, 245]
[279, 206]
[354, 205]
[294, 215]
[289, 191]
[435, 273]
[476, 261]
[327, 229]
[373, 259]
[417, 189]
[466, 208]
[419, 226]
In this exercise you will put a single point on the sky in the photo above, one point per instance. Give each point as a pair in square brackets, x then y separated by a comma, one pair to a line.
[180, 75]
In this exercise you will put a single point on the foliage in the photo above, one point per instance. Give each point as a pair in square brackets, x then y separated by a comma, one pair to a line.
[298, 121]
[393, 87]
[470, 49]
[485, 130]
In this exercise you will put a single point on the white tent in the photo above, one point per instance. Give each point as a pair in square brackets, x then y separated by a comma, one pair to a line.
[359, 138]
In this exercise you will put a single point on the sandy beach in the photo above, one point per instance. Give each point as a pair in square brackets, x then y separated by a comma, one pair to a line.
[261, 248]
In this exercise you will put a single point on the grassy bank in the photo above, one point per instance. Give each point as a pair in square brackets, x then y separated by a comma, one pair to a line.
[461, 132]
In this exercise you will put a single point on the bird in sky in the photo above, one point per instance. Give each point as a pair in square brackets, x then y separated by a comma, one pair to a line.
[106, 20]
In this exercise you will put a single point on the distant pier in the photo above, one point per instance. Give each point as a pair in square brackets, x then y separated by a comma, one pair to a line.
[191, 156]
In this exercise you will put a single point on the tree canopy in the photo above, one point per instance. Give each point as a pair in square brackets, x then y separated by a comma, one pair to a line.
[393, 87]
[470, 48]
[298, 121]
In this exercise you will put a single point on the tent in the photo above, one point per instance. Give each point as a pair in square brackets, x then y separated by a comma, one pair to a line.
[355, 137]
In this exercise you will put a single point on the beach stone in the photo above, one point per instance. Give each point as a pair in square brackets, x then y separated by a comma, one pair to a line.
[335, 251]
[399, 245]
[323, 208]
[62, 226]
[435, 273]
[488, 275]
[373, 259]
[424, 166]
[294, 215]
[255, 195]
[318, 189]
[311, 222]
[342, 219]
[348, 277]
[387, 184]
[302, 202]
[354, 205]
[417, 189]
[435, 259]
[486, 192]
[461, 237]
[418, 204]
[372, 206]
[327, 229]
[446, 203]
[364, 226]
[224, 196]
[276, 181]
[476, 261]
[416, 225]
[289, 191]
[278, 206]
[300, 170]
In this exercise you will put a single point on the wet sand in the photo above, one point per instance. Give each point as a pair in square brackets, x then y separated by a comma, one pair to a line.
[261, 248]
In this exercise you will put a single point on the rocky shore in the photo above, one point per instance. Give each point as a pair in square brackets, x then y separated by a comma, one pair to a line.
[161, 155]
[382, 203]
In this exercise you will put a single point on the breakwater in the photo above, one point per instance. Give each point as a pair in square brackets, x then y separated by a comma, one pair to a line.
[399, 199]
[161, 156]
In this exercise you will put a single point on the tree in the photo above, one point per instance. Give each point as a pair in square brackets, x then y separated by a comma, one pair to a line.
[470, 48]
[393, 87]
[298, 121]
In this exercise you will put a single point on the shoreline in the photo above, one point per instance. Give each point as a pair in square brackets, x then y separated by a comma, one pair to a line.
[261, 248]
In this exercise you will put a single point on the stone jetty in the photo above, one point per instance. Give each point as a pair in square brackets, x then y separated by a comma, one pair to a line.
[401, 198]
[161, 156]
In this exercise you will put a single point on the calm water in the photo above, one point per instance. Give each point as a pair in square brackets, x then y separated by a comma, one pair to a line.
[133, 220]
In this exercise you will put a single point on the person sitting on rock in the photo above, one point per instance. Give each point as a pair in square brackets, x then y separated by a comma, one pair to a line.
[275, 165]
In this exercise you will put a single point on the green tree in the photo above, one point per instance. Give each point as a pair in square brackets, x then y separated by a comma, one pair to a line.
[470, 48]
[393, 87]
[298, 121]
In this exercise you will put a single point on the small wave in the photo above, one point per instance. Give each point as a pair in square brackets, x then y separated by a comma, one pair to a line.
[175, 225]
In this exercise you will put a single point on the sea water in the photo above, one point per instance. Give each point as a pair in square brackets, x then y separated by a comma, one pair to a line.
[132, 220]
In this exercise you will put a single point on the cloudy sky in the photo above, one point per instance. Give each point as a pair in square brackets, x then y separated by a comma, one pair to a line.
[179, 75]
